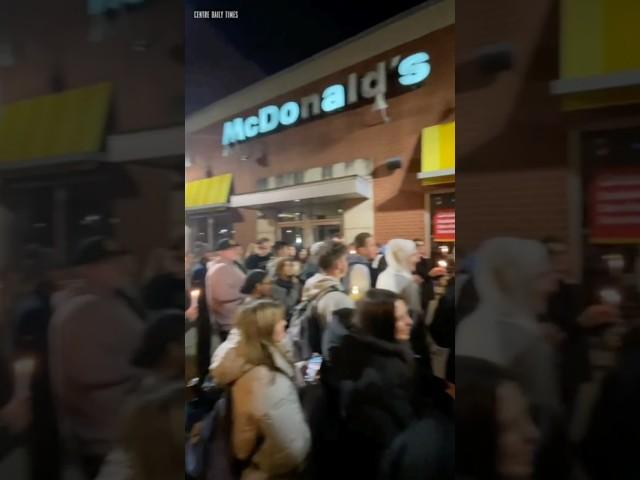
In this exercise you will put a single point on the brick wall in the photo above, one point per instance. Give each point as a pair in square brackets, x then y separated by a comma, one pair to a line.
[344, 136]
[532, 203]
[512, 166]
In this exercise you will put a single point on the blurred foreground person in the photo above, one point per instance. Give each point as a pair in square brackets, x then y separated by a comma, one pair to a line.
[496, 438]
[613, 435]
[401, 256]
[94, 333]
[40, 277]
[223, 283]
[567, 324]
[269, 431]
[160, 357]
[153, 435]
[425, 451]
[514, 279]
[164, 287]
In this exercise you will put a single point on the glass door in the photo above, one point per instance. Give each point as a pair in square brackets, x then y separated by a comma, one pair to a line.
[292, 234]
[325, 232]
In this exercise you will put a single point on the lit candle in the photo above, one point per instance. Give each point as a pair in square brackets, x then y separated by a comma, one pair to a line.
[355, 292]
[195, 294]
[23, 371]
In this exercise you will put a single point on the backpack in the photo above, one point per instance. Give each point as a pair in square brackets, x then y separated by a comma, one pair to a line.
[211, 457]
[305, 328]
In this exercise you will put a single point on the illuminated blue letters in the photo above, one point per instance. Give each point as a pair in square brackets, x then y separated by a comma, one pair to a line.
[414, 69]
[289, 113]
[269, 118]
[333, 98]
[233, 131]
[251, 127]
[411, 70]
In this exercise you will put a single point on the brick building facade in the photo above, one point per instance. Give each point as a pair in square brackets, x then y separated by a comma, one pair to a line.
[397, 204]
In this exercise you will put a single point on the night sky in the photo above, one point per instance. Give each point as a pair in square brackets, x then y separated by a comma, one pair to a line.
[276, 34]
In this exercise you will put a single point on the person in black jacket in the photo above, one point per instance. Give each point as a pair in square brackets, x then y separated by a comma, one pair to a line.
[371, 382]
[260, 259]
[32, 315]
[443, 327]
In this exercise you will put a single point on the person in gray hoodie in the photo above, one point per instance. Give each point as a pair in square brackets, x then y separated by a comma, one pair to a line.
[326, 288]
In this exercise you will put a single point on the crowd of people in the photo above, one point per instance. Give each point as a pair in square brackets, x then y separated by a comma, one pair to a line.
[318, 362]
[92, 364]
[314, 364]
[529, 404]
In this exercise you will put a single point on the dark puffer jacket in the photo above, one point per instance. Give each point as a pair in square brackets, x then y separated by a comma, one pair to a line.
[370, 388]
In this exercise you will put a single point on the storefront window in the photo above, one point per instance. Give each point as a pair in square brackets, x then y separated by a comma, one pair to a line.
[90, 214]
[326, 232]
[292, 235]
[210, 228]
[39, 226]
[443, 224]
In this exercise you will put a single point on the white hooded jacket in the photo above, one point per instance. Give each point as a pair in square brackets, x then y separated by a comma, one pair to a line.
[504, 329]
[397, 277]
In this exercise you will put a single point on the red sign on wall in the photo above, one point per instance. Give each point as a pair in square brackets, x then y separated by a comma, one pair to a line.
[444, 225]
[614, 206]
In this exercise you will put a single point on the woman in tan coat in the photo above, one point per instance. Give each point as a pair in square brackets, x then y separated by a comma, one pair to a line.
[270, 432]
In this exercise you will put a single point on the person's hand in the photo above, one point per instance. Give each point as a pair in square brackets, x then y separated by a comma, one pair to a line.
[418, 279]
[451, 390]
[599, 315]
[437, 272]
[192, 313]
[552, 333]
[16, 415]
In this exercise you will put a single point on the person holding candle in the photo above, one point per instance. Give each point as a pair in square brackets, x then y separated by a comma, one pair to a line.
[361, 276]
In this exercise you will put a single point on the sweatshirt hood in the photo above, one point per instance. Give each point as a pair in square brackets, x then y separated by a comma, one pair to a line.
[397, 255]
[318, 284]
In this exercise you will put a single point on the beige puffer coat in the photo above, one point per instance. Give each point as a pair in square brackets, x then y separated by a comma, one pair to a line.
[266, 412]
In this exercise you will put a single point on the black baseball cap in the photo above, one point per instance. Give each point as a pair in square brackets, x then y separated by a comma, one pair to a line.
[254, 278]
[96, 249]
[226, 244]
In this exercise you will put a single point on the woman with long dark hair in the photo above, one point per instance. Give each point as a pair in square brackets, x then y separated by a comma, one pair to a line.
[370, 384]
